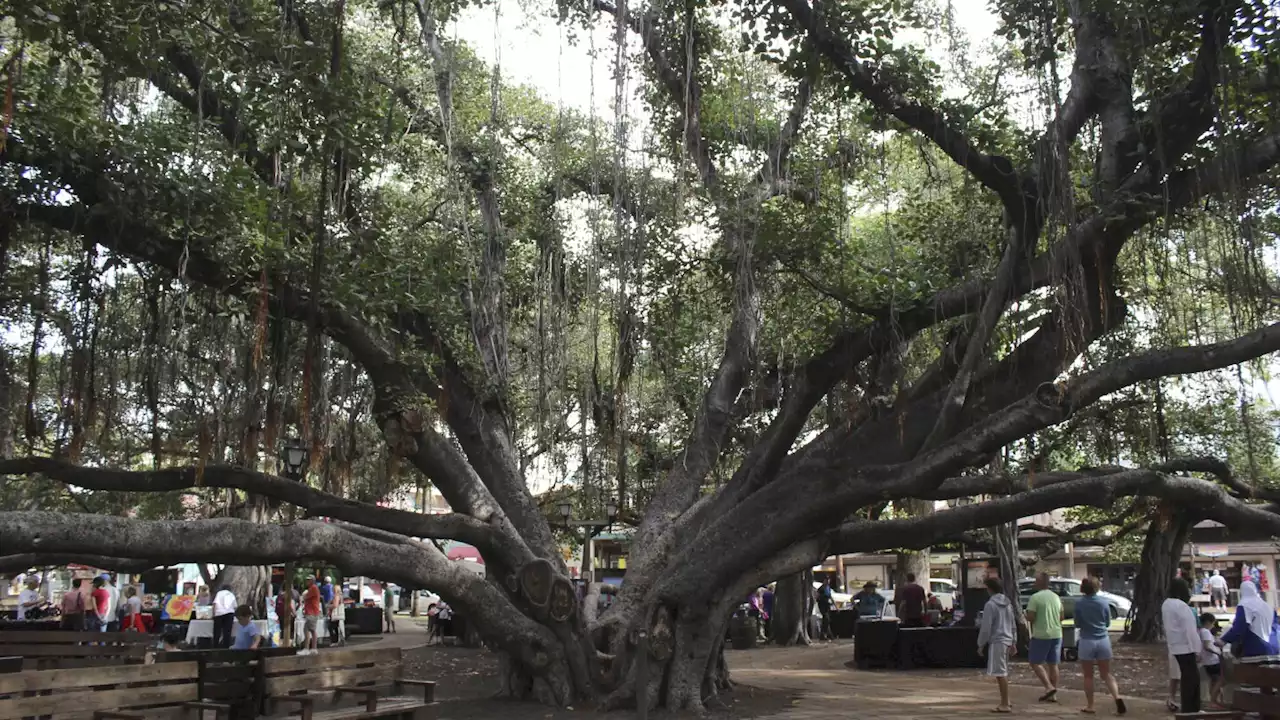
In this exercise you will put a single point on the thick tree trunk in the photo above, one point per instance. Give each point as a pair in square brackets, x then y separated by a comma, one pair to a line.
[915, 562]
[789, 624]
[1161, 551]
[250, 583]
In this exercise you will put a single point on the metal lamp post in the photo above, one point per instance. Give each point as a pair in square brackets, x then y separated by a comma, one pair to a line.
[294, 457]
[590, 528]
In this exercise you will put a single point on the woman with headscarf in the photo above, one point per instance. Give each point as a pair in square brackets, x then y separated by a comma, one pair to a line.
[1256, 627]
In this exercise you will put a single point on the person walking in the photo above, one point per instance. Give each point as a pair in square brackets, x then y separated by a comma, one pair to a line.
[433, 625]
[444, 619]
[224, 616]
[1256, 627]
[908, 601]
[997, 638]
[73, 604]
[1093, 624]
[1044, 613]
[1218, 590]
[312, 609]
[1182, 634]
[388, 607]
[824, 609]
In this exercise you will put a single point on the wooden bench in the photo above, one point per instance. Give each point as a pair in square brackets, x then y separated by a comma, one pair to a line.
[56, 649]
[126, 692]
[233, 677]
[1264, 701]
[319, 683]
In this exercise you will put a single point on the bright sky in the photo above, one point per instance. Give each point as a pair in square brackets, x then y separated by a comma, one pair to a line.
[532, 49]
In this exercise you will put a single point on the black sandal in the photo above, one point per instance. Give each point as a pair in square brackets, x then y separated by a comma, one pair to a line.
[1051, 696]
[1120, 708]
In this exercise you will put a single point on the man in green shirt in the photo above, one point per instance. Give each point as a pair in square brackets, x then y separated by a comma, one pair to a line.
[1044, 612]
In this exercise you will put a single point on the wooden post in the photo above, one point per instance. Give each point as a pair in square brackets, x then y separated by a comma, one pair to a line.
[286, 623]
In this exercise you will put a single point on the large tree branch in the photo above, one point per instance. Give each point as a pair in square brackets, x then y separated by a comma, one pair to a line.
[1102, 491]
[994, 172]
[453, 526]
[242, 542]
[832, 489]
[1172, 124]
[25, 561]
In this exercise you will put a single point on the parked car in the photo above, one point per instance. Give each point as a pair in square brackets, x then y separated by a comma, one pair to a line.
[1069, 590]
[943, 588]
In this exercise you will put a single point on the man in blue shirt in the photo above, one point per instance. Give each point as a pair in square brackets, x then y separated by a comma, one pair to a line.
[248, 636]
[326, 591]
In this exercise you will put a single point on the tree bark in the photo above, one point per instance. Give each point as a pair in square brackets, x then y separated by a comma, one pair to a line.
[915, 562]
[1161, 552]
[789, 624]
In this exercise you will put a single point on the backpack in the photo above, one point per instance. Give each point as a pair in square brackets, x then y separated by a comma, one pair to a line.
[122, 610]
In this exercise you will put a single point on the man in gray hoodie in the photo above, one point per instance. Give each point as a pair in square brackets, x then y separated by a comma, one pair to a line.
[997, 638]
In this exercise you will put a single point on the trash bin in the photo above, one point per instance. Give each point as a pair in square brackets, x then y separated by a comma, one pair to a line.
[1070, 645]
[743, 632]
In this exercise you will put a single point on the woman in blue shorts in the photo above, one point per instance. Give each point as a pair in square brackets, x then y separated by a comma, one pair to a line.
[1093, 624]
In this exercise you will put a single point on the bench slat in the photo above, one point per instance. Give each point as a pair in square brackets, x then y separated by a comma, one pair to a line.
[334, 658]
[1260, 675]
[330, 678]
[36, 680]
[1265, 705]
[87, 701]
[120, 651]
[69, 637]
[386, 706]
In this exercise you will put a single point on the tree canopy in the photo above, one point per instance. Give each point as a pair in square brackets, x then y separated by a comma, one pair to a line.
[805, 280]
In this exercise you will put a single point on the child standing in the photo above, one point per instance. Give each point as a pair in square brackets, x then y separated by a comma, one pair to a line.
[1211, 656]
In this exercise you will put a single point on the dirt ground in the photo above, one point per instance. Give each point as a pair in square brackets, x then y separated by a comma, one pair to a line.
[1141, 670]
[467, 678]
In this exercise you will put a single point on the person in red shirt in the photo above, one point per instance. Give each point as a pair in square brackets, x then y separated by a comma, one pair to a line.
[96, 619]
[311, 613]
[909, 600]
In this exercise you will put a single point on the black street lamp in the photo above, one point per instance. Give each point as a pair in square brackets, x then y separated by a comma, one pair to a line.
[294, 457]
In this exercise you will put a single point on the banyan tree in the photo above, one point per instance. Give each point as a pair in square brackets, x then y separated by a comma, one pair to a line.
[787, 284]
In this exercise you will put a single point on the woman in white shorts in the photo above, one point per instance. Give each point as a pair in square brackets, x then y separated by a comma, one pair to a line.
[1093, 623]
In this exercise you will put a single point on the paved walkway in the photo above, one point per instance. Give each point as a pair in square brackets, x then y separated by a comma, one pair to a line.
[825, 688]
[409, 635]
